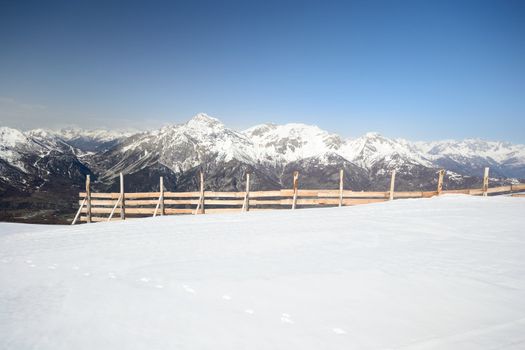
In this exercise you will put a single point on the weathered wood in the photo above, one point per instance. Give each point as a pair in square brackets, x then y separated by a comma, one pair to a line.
[500, 189]
[140, 211]
[428, 194]
[118, 210]
[341, 189]
[238, 202]
[354, 194]
[98, 202]
[88, 198]
[178, 211]
[114, 208]
[156, 208]
[122, 198]
[295, 188]
[441, 174]
[143, 202]
[270, 201]
[246, 203]
[485, 181]
[114, 195]
[181, 194]
[78, 212]
[160, 202]
[222, 210]
[461, 191]
[518, 195]
[409, 194]
[520, 187]
[181, 201]
[392, 182]
[476, 192]
[306, 193]
[359, 201]
[161, 198]
[266, 194]
[216, 194]
[200, 206]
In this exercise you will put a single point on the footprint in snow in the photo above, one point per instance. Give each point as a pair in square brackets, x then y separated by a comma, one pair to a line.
[339, 331]
[285, 318]
[188, 289]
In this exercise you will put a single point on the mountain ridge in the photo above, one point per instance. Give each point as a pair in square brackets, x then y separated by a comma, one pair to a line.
[57, 161]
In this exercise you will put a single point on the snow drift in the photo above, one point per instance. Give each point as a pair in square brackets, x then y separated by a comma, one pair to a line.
[440, 273]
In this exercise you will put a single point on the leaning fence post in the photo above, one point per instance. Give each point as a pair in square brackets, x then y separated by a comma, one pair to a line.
[341, 176]
[295, 188]
[88, 197]
[246, 203]
[122, 199]
[202, 211]
[440, 181]
[161, 195]
[392, 181]
[485, 182]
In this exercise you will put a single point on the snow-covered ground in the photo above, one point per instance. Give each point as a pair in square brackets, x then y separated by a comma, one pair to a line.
[440, 273]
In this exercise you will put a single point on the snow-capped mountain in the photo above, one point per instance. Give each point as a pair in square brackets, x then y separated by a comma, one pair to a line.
[278, 144]
[42, 159]
[471, 155]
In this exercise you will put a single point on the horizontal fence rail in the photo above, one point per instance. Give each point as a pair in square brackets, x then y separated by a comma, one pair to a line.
[96, 207]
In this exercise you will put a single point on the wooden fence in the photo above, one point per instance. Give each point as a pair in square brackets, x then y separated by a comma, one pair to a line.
[95, 207]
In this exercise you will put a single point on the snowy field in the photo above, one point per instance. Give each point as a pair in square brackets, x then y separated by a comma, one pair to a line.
[440, 273]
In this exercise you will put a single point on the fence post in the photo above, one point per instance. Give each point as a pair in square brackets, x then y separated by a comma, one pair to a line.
[202, 211]
[392, 181]
[88, 198]
[341, 177]
[161, 195]
[123, 199]
[246, 204]
[440, 182]
[295, 188]
[485, 182]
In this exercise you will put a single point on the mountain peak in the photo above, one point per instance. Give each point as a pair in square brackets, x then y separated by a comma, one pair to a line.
[11, 137]
[373, 135]
[201, 120]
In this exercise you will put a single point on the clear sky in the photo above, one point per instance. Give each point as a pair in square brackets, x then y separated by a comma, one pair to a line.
[420, 70]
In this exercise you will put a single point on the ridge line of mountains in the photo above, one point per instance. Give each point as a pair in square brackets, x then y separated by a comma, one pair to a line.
[42, 171]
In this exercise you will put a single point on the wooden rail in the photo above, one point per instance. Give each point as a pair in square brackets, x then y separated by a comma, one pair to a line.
[96, 207]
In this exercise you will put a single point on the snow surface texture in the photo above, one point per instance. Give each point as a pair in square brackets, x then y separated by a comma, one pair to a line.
[440, 273]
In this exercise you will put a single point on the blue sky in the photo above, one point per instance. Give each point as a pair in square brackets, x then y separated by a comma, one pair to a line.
[421, 69]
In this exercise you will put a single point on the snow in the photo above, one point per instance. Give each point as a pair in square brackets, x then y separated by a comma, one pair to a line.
[290, 142]
[471, 148]
[184, 146]
[439, 273]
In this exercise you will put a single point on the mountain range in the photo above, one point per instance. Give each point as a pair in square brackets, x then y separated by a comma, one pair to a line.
[41, 171]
